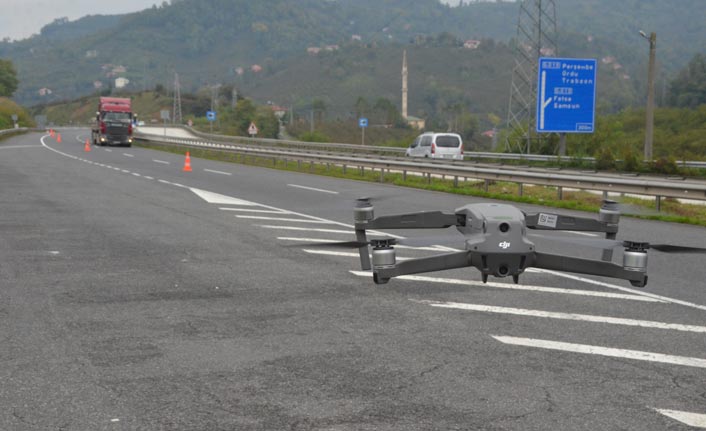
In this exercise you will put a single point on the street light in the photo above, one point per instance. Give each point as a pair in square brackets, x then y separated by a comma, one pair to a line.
[650, 116]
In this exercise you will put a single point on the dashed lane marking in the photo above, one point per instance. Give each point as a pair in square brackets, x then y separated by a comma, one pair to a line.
[490, 284]
[161, 162]
[251, 210]
[312, 189]
[321, 240]
[218, 172]
[341, 253]
[637, 355]
[128, 155]
[566, 316]
[307, 229]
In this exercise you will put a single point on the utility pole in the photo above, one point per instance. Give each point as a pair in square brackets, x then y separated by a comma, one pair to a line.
[650, 110]
[176, 111]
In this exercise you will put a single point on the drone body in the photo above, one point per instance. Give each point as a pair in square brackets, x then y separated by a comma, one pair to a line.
[496, 243]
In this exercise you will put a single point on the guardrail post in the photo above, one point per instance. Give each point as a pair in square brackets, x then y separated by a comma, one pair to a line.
[362, 171]
[299, 165]
[428, 178]
[560, 193]
[486, 184]
[382, 175]
[344, 169]
[455, 181]
[520, 189]
[658, 203]
[404, 175]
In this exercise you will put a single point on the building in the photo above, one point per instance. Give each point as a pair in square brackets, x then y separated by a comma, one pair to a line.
[471, 44]
[417, 123]
[121, 82]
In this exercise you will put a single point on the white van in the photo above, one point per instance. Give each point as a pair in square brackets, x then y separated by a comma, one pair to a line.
[437, 146]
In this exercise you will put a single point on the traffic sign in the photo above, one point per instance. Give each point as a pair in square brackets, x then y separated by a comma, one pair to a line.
[252, 130]
[211, 116]
[566, 95]
[164, 115]
[363, 122]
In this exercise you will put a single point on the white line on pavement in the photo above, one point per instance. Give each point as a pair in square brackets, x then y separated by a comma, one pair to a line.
[603, 351]
[128, 155]
[567, 316]
[616, 287]
[218, 172]
[252, 210]
[341, 253]
[295, 220]
[312, 189]
[691, 419]
[405, 247]
[297, 228]
[108, 150]
[543, 289]
[161, 162]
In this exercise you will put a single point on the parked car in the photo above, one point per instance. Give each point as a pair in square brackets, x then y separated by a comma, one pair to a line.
[437, 146]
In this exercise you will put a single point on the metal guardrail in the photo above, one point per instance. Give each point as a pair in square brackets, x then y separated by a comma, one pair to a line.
[469, 155]
[656, 187]
[13, 131]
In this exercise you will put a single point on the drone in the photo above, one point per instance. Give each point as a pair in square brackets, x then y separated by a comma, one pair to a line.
[497, 244]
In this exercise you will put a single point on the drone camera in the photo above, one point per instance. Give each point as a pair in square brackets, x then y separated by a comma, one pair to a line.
[504, 227]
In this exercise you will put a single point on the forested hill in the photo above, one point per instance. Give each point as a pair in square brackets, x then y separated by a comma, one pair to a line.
[207, 41]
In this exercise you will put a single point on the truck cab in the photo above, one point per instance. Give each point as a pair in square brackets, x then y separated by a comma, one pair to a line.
[114, 122]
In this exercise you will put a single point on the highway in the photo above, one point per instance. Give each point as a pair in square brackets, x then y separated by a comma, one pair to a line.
[137, 296]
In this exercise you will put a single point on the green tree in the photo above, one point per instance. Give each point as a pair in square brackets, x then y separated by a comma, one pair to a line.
[8, 78]
[688, 90]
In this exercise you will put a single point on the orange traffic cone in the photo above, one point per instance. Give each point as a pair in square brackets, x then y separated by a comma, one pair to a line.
[51, 132]
[187, 163]
[87, 147]
[58, 137]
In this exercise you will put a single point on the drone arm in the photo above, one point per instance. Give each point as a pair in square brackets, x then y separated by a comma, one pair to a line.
[587, 266]
[439, 262]
[545, 221]
[420, 220]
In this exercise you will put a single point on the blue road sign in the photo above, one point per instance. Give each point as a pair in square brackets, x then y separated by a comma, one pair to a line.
[363, 122]
[211, 115]
[566, 95]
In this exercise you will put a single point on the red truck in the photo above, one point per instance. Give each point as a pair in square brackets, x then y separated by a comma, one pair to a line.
[114, 122]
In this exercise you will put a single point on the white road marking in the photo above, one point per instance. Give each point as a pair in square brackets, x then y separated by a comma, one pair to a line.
[148, 178]
[218, 172]
[340, 253]
[603, 351]
[346, 232]
[294, 220]
[543, 289]
[108, 150]
[576, 232]
[253, 210]
[215, 198]
[691, 419]
[567, 316]
[621, 288]
[125, 171]
[312, 189]
[406, 247]
[128, 155]
[136, 174]
[161, 162]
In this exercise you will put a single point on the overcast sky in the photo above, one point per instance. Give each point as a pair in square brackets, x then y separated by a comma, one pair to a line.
[20, 19]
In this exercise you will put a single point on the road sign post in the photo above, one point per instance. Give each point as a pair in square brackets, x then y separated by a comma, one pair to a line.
[211, 117]
[252, 129]
[566, 95]
[363, 124]
[165, 117]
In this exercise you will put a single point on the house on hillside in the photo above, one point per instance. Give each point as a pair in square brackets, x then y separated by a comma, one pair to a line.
[256, 68]
[313, 50]
[471, 44]
[121, 82]
[44, 92]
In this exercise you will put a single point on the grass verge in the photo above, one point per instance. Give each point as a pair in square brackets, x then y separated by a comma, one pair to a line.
[671, 211]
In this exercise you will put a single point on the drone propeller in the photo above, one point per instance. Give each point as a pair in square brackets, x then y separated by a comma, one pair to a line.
[420, 241]
[610, 243]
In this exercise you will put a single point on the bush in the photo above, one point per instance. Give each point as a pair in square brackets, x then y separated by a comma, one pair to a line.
[631, 163]
[666, 165]
[314, 136]
[605, 160]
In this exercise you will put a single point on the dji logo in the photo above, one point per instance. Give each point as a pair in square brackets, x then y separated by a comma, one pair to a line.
[504, 245]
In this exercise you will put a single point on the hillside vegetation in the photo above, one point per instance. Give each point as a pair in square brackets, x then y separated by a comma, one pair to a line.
[206, 41]
[8, 108]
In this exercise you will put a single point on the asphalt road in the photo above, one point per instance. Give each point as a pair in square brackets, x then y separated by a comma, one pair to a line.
[137, 296]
